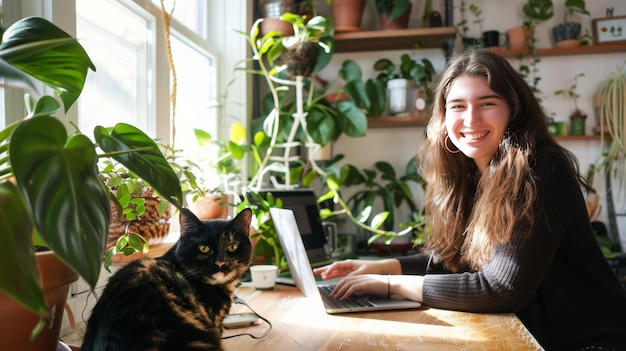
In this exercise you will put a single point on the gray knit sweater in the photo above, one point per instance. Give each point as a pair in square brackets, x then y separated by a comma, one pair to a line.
[552, 275]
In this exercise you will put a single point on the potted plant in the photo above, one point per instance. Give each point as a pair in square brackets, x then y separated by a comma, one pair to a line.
[577, 118]
[272, 10]
[136, 208]
[218, 169]
[318, 121]
[535, 12]
[567, 33]
[267, 249]
[394, 14]
[463, 25]
[410, 71]
[49, 181]
[369, 96]
[382, 188]
[347, 14]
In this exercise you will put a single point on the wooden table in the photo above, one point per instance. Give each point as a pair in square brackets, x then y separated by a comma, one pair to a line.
[300, 323]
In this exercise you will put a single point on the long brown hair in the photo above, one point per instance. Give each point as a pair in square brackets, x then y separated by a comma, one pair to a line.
[469, 212]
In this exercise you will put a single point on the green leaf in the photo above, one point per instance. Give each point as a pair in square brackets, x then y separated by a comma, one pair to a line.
[354, 123]
[355, 89]
[379, 219]
[141, 155]
[46, 106]
[58, 176]
[377, 95]
[322, 125]
[19, 280]
[44, 51]
[350, 70]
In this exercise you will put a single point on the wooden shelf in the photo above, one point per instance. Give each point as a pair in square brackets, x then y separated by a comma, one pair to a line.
[570, 50]
[421, 121]
[393, 39]
[397, 121]
[578, 137]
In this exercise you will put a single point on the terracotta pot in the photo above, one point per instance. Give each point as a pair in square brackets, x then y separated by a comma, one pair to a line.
[17, 323]
[519, 38]
[347, 14]
[337, 96]
[211, 207]
[270, 24]
[401, 22]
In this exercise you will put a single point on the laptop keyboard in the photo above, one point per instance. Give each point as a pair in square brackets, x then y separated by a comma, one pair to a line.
[352, 302]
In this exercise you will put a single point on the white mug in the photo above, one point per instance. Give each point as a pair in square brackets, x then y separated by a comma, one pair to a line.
[264, 276]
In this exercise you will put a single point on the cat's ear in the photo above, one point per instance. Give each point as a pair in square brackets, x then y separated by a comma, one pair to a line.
[189, 223]
[241, 223]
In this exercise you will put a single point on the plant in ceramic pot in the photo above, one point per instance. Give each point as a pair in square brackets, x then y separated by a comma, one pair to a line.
[411, 73]
[50, 193]
[567, 33]
[463, 24]
[394, 14]
[140, 215]
[347, 14]
[218, 166]
[272, 10]
[370, 96]
[267, 249]
[577, 118]
[535, 12]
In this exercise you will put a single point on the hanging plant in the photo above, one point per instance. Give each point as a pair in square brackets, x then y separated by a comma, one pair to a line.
[612, 112]
[301, 59]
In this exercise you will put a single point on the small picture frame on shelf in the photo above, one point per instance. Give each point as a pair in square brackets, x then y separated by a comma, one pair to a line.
[610, 30]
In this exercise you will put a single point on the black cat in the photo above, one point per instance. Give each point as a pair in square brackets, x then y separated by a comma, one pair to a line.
[178, 301]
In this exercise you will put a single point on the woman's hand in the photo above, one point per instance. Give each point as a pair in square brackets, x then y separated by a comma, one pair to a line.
[380, 277]
[348, 267]
[368, 283]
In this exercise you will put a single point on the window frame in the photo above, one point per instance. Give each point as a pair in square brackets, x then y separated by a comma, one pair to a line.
[234, 15]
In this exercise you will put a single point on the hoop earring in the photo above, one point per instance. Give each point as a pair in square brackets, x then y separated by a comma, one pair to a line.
[445, 145]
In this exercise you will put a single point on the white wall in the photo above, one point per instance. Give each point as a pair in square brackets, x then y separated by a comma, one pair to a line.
[398, 145]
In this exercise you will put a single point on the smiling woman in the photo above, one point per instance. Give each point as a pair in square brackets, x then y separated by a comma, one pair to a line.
[476, 118]
[507, 217]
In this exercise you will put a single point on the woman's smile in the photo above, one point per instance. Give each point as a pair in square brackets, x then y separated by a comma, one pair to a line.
[476, 118]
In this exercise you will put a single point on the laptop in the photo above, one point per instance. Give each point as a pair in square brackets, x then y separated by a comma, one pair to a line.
[319, 237]
[302, 273]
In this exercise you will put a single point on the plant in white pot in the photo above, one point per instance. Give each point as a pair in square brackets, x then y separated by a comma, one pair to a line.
[411, 73]
[50, 193]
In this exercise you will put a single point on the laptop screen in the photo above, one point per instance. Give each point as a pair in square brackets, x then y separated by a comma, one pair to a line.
[303, 203]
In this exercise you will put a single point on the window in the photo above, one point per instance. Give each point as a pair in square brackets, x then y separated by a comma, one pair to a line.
[196, 95]
[131, 64]
[122, 88]
[125, 40]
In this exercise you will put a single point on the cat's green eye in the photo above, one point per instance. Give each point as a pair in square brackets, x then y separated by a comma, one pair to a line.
[204, 248]
[233, 247]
